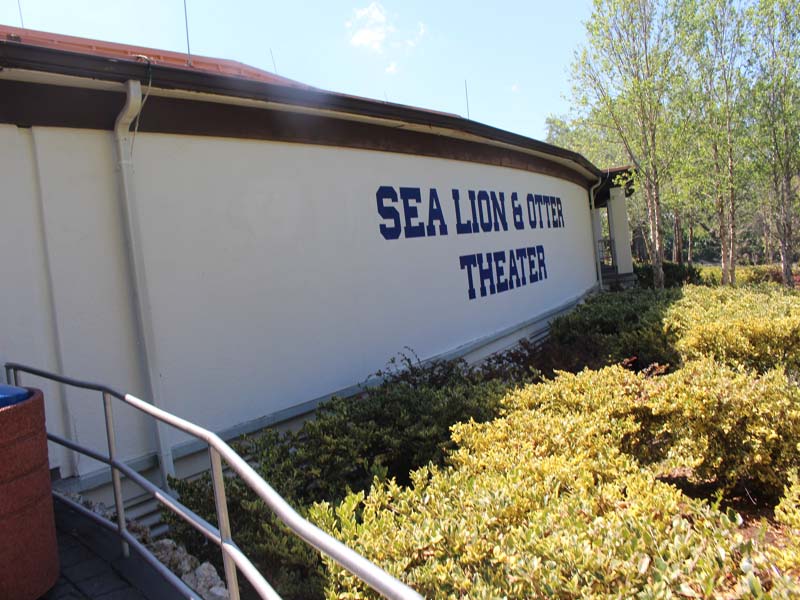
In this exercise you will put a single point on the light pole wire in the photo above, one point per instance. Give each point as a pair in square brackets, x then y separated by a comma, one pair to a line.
[19, 7]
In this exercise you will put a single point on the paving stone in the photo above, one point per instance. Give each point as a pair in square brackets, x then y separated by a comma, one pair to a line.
[63, 590]
[69, 557]
[85, 569]
[126, 594]
[104, 583]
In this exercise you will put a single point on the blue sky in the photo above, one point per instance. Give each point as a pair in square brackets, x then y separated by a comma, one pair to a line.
[515, 55]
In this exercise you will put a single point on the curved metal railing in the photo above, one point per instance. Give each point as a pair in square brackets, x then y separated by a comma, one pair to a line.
[232, 557]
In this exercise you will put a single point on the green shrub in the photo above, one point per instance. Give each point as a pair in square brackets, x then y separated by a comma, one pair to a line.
[544, 502]
[710, 275]
[755, 327]
[611, 328]
[729, 426]
[675, 275]
[787, 513]
[387, 431]
[574, 450]
[745, 274]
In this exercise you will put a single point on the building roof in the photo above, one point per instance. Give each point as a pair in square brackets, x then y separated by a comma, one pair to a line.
[34, 51]
[178, 60]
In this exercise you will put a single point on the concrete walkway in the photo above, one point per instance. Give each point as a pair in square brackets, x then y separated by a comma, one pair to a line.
[93, 567]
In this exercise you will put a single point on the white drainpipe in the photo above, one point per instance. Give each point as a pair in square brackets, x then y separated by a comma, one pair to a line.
[141, 298]
[595, 242]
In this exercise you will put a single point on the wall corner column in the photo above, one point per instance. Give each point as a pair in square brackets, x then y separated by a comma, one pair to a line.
[619, 230]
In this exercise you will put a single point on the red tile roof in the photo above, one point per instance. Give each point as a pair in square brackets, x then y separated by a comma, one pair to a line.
[177, 60]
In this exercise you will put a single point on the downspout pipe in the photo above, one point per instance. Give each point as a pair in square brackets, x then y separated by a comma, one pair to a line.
[141, 298]
[595, 242]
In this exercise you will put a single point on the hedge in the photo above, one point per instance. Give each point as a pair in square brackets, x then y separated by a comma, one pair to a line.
[745, 274]
[550, 500]
[386, 432]
[724, 413]
[757, 327]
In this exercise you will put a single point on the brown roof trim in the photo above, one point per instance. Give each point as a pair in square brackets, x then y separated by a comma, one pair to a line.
[28, 104]
[22, 56]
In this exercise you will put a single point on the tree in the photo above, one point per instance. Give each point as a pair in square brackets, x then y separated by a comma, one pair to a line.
[712, 35]
[628, 72]
[776, 55]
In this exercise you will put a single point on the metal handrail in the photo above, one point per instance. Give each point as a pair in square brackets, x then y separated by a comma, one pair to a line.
[232, 557]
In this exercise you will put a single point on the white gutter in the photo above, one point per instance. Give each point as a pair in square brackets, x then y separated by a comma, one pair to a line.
[141, 298]
[595, 242]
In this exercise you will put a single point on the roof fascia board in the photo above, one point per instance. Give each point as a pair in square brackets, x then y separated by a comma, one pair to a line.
[184, 83]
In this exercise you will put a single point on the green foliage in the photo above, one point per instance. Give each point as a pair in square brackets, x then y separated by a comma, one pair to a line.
[675, 275]
[611, 328]
[745, 275]
[787, 513]
[546, 501]
[561, 494]
[387, 431]
[758, 328]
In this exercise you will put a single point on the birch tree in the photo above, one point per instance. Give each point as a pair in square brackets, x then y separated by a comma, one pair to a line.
[627, 71]
[776, 55]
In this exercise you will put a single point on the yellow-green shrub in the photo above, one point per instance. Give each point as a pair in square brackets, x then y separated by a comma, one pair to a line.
[745, 274]
[543, 502]
[755, 327]
[728, 425]
[787, 552]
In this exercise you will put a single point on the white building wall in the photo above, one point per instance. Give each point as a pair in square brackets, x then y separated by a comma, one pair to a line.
[269, 281]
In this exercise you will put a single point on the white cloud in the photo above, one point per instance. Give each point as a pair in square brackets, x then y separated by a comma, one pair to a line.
[370, 27]
[514, 88]
[422, 29]
[392, 68]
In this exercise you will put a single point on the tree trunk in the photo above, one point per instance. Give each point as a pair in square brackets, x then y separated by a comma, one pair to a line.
[677, 239]
[690, 249]
[731, 206]
[722, 222]
[655, 232]
[785, 231]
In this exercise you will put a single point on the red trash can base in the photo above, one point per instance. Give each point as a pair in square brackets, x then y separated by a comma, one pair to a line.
[28, 546]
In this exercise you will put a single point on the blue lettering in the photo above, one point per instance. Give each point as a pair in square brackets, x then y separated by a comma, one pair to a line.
[516, 212]
[468, 262]
[435, 214]
[499, 211]
[460, 227]
[533, 274]
[474, 212]
[539, 206]
[499, 259]
[486, 223]
[410, 212]
[531, 211]
[540, 258]
[521, 259]
[513, 272]
[389, 232]
[485, 274]
[560, 214]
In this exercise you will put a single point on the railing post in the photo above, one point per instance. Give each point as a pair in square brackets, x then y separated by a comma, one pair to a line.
[218, 479]
[115, 478]
[8, 375]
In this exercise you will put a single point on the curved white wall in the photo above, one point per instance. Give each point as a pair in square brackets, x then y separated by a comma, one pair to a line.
[271, 283]
[269, 280]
